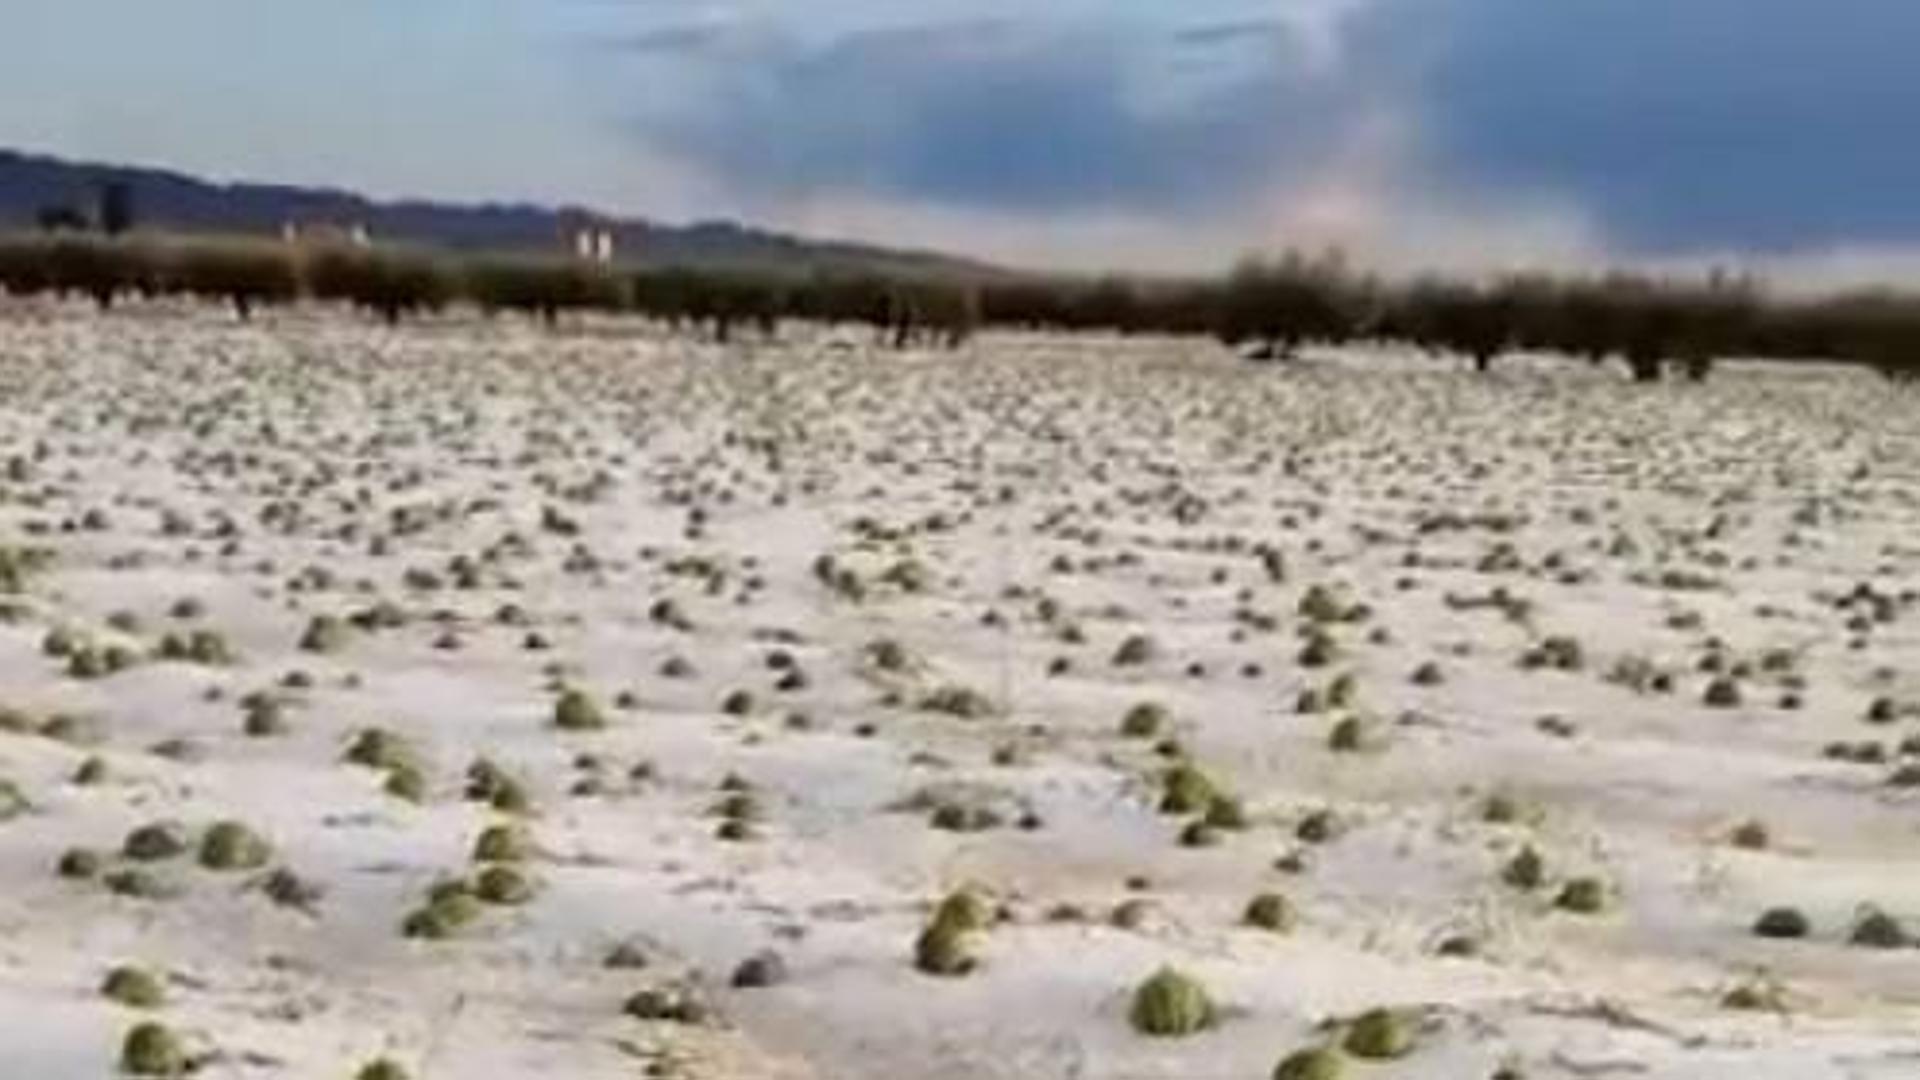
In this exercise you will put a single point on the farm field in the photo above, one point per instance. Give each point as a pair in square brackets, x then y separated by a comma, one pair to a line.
[496, 702]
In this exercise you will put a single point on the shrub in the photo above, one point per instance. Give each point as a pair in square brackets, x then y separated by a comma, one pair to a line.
[231, 845]
[1136, 650]
[79, 864]
[1722, 693]
[406, 781]
[1199, 834]
[1143, 721]
[1783, 923]
[137, 883]
[1500, 809]
[381, 1069]
[962, 702]
[1130, 914]
[502, 842]
[625, 956]
[964, 910]
[1171, 1004]
[324, 634]
[575, 711]
[960, 817]
[1313, 1063]
[1526, 870]
[1319, 651]
[674, 1004]
[1186, 790]
[1751, 835]
[944, 949]
[1318, 827]
[502, 885]
[1582, 896]
[761, 970]
[288, 889]
[378, 748]
[1878, 930]
[1226, 812]
[134, 988]
[489, 783]
[448, 910]
[151, 1049]
[151, 843]
[1348, 736]
[1269, 911]
[264, 717]
[1758, 994]
[1379, 1035]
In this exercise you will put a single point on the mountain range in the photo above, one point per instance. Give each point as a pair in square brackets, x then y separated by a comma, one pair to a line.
[33, 184]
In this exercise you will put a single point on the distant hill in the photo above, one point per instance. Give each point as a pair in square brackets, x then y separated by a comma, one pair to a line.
[31, 183]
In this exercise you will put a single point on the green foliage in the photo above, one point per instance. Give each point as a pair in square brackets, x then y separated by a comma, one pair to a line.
[503, 885]
[324, 634]
[247, 276]
[1276, 305]
[381, 1069]
[1170, 1005]
[231, 845]
[576, 711]
[152, 1049]
[133, 987]
[1313, 1063]
[503, 842]
[1782, 923]
[152, 843]
[1270, 911]
[1379, 1035]
[1281, 305]
[1143, 721]
[964, 910]
[944, 948]
[1186, 790]
[1582, 896]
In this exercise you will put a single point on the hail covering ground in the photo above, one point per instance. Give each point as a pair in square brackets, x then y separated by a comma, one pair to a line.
[990, 511]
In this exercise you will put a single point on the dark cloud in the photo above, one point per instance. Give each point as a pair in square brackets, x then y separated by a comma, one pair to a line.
[1006, 116]
[1679, 125]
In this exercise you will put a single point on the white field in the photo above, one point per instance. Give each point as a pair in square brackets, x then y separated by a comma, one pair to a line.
[304, 465]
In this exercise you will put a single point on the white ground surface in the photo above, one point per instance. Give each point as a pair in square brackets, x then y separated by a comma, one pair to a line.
[1150, 469]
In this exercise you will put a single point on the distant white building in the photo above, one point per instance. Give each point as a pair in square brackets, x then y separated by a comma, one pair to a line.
[593, 245]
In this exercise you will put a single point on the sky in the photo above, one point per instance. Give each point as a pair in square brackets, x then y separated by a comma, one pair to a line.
[1144, 134]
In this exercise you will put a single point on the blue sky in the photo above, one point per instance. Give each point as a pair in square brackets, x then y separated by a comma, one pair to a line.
[1154, 132]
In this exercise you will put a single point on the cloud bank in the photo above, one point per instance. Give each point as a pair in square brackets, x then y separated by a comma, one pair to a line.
[1563, 131]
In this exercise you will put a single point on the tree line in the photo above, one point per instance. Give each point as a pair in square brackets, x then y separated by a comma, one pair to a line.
[1269, 309]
